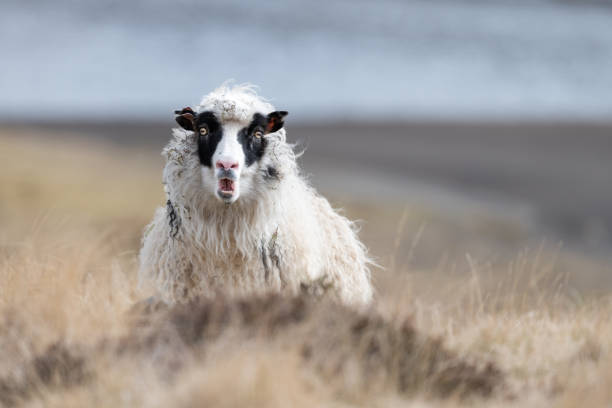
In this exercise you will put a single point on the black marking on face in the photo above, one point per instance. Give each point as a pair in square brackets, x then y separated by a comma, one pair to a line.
[206, 127]
[251, 137]
[209, 132]
[252, 140]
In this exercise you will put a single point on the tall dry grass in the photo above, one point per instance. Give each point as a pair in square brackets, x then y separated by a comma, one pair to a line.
[466, 331]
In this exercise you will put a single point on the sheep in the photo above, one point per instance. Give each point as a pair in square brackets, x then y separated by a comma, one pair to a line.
[239, 216]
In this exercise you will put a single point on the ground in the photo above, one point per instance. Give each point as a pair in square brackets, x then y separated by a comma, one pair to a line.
[470, 311]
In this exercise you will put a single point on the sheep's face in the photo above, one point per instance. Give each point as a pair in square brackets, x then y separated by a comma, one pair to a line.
[230, 152]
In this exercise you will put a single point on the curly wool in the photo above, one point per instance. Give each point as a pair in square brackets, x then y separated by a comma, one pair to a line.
[238, 103]
[282, 237]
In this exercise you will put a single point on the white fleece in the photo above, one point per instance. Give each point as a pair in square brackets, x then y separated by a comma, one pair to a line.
[281, 236]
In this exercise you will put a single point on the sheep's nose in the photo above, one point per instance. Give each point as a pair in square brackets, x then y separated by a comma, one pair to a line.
[227, 164]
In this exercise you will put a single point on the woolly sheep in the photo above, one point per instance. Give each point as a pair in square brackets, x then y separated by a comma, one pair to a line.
[240, 218]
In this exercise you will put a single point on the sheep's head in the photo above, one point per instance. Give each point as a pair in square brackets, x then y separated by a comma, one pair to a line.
[230, 149]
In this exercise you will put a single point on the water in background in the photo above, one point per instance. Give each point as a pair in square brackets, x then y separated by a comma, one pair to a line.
[337, 59]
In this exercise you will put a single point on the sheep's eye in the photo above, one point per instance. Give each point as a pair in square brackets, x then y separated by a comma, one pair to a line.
[258, 134]
[203, 131]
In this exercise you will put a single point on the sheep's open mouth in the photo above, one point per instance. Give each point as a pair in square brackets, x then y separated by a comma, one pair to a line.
[226, 186]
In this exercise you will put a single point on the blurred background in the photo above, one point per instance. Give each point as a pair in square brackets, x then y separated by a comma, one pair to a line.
[460, 132]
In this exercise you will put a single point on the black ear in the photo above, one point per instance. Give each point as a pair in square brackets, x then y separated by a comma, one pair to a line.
[185, 118]
[275, 121]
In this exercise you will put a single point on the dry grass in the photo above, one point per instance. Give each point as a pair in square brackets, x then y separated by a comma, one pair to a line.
[463, 331]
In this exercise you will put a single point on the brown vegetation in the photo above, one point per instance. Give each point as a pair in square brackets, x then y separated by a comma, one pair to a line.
[75, 332]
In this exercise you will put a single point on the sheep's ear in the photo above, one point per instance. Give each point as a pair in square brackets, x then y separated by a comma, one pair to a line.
[185, 118]
[275, 121]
